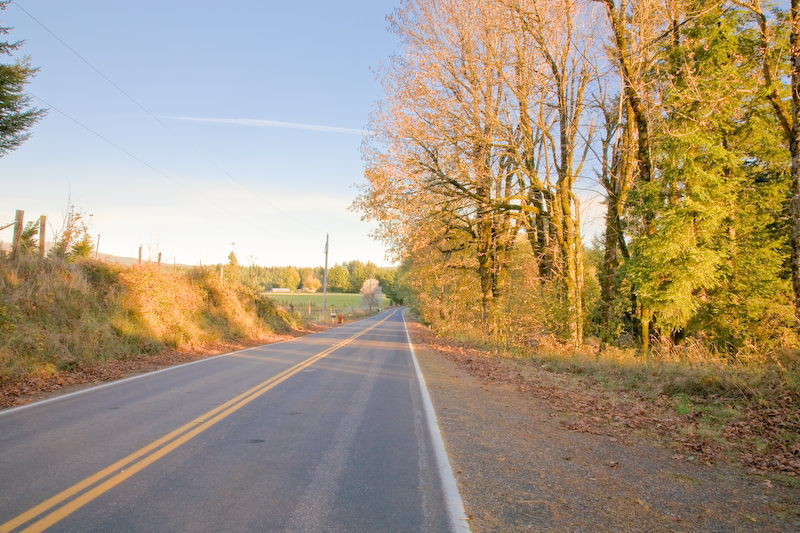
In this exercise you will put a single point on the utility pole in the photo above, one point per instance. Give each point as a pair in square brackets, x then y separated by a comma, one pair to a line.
[325, 280]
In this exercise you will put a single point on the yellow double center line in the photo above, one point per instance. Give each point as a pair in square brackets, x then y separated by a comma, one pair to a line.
[138, 460]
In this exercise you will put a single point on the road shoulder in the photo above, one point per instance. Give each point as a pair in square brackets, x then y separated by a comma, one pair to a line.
[520, 469]
[32, 389]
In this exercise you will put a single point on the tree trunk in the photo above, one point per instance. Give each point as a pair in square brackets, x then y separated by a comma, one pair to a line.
[644, 164]
[608, 280]
[794, 148]
[579, 273]
[645, 317]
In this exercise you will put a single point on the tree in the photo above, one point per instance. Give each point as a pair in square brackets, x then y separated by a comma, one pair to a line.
[232, 269]
[72, 228]
[17, 116]
[489, 116]
[688, 202]
[719, 174]
[561, 47]
[387, 279]
[338, 278]
[308, 281]
[28, 240]
[358, 272]
[635, 26]
[616, 176]
[438, 167]
[288, 277]
[83, 247]
[778, 62]
[481, 137]
[371, 293]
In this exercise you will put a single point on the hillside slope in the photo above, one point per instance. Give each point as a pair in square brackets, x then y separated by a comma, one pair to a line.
[56, 316]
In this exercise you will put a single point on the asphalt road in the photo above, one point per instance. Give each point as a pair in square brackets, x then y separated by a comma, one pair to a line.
[321, 433]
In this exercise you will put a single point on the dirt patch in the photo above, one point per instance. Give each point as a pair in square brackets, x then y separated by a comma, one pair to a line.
[34, 388]
[531, 455]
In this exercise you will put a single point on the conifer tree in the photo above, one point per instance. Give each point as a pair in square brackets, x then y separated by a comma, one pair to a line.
[17, 115]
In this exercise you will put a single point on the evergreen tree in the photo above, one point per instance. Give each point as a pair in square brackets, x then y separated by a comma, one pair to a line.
[28, 238]
[232, 270]
[83, 247]
[708, 202]
[17, 115]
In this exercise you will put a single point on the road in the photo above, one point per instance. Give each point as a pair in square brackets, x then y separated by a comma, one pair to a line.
[327, 432]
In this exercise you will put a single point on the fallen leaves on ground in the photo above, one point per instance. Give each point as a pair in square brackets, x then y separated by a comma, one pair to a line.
[594, 409]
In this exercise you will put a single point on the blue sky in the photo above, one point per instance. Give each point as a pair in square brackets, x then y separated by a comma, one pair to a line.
[264, 105]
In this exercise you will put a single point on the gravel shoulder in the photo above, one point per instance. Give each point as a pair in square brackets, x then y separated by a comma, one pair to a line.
[522, 465]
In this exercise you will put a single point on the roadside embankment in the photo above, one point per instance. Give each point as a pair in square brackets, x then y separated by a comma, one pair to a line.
[537, 448]
[65, 323]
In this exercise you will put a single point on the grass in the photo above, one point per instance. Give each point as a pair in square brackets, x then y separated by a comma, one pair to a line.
[56, 316]
[744, 406]
[345, 303]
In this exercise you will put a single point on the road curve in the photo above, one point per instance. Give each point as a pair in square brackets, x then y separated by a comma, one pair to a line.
[322, 433]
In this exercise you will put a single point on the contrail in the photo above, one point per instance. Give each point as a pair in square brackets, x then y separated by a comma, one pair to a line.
[274, 124]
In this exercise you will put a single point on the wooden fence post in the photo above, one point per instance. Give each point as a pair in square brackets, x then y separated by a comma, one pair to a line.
[140, 255]
[17, 233]
[42, 225]
[159, 260]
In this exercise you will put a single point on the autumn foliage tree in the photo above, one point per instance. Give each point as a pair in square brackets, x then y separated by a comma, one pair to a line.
[681, 114]
[469, 152]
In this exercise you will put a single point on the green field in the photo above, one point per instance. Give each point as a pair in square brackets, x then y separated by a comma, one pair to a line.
[344, 303]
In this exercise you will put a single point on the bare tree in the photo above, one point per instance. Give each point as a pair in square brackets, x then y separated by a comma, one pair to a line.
[438, 165]
[478, 139]
[635, 26]
[371, 293]
[557, 41]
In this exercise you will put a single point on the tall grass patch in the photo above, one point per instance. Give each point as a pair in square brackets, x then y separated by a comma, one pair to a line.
[56, 315]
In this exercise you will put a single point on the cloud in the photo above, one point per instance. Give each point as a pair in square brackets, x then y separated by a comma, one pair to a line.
[274, 124]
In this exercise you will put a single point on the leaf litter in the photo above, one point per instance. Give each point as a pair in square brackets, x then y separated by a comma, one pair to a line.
[696, 482]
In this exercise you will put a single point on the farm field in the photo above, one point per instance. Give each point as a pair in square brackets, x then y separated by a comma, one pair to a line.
[344, 303]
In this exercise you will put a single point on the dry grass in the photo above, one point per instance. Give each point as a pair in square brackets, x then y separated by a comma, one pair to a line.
[56, 317]
[742, 407]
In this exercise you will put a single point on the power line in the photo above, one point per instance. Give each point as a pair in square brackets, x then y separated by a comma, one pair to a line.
[154, 169]
[154, 117]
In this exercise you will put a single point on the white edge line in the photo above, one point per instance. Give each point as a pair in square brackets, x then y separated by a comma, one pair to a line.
[455, 506]
[145, 374]
[142, 375]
